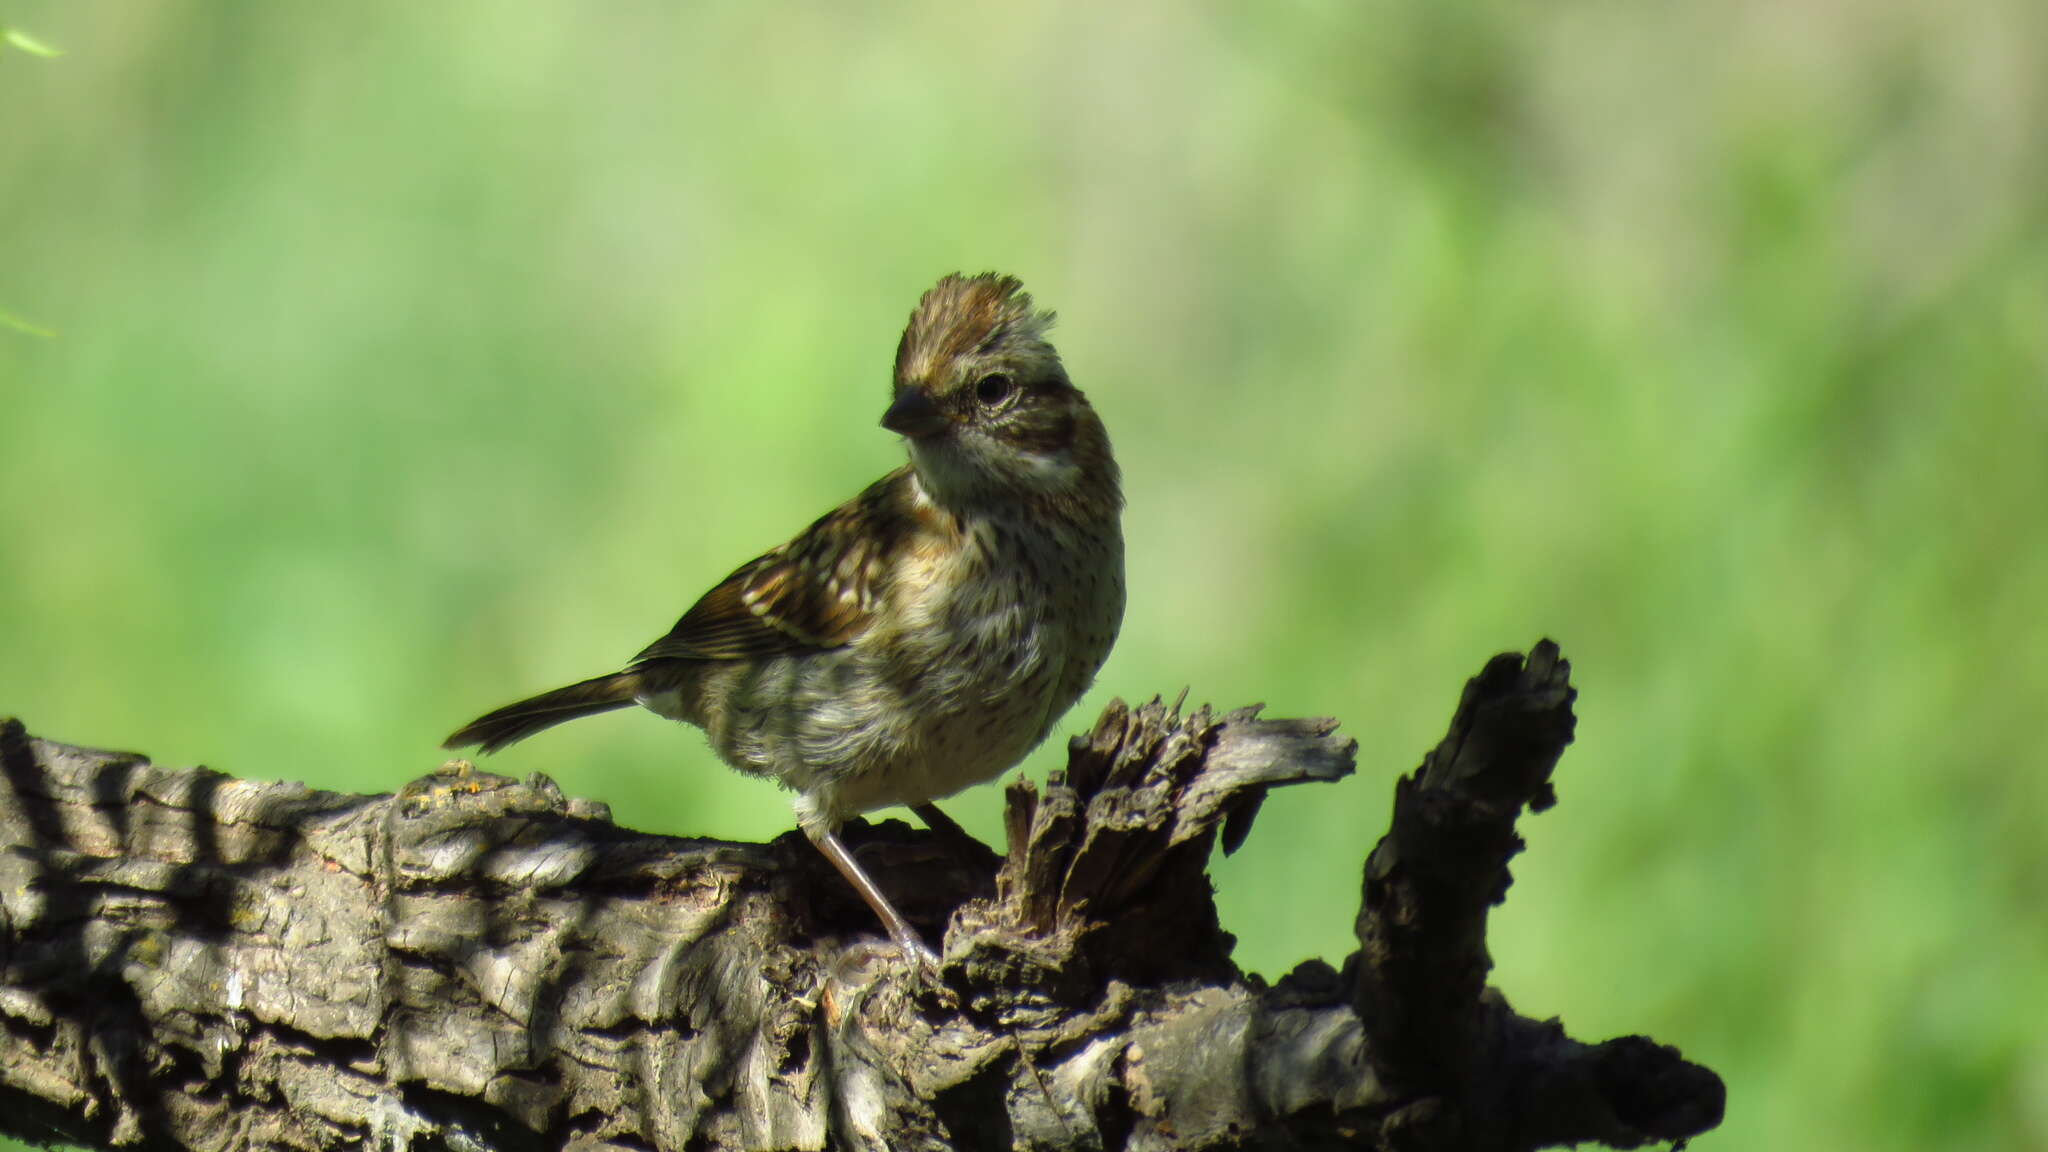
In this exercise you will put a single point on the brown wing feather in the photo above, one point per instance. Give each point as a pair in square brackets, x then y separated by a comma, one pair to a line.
[820, 590]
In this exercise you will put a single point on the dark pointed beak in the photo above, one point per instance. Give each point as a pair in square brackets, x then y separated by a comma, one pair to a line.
[914, 415]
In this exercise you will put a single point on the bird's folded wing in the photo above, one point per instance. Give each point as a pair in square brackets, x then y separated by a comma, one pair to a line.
[820, 590]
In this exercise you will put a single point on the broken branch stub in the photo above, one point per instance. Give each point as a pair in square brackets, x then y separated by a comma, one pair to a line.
[1107, 867]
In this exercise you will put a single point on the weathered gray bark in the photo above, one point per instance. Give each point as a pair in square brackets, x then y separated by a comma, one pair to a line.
[193, 961]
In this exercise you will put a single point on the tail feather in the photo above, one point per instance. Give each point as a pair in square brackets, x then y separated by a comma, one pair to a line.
[513, 722]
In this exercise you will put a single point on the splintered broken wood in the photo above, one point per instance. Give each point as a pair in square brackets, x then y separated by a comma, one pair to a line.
[1117, 848]
[190, 960]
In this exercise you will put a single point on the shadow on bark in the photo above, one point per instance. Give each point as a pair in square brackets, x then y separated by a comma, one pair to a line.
[193, 961]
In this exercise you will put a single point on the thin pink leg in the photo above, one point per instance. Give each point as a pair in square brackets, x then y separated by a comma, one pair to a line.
[900, 930]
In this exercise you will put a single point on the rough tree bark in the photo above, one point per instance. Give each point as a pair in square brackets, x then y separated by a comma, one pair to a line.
[193, 961]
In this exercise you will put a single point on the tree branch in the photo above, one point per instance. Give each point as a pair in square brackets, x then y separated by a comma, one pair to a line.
[193, 961]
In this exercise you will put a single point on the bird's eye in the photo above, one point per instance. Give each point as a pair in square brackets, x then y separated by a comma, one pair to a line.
[993, 389]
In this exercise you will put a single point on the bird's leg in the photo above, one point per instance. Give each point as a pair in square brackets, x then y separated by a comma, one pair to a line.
[957, 840]
[900, 930]
[936, 819]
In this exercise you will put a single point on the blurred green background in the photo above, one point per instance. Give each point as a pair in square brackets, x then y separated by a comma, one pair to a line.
[409, 358]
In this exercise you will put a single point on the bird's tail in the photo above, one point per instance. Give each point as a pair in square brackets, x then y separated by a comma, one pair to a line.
[494, 730]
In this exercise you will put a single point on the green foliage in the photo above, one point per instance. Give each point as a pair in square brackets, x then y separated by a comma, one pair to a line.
[420, 356]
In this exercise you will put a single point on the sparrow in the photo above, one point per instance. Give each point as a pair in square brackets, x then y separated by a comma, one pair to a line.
[928, 633]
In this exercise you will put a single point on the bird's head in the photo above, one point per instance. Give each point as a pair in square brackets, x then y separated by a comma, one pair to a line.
[986, 406]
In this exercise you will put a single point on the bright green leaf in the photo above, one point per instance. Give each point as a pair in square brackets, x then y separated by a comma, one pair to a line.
[27, 43]
[10, 320]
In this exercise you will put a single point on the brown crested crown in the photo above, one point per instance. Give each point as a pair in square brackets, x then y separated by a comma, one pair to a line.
[966, 315]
